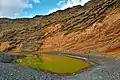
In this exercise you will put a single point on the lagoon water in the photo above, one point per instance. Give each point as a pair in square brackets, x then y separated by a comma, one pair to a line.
[54, 63]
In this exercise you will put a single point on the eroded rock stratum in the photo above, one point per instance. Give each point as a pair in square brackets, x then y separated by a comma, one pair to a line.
[93, 27]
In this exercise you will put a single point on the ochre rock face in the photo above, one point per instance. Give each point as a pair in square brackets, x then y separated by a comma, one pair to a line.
[4, 46]
[102, 36]
[93, 27]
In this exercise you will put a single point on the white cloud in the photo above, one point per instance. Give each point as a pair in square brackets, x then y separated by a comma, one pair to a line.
[53, 10]
[10, 8]
[36, 1]
[83, 2]
[30, 5]
[63, 4]
[26, 13]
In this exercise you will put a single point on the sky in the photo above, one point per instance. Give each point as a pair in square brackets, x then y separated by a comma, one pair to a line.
[30, 8]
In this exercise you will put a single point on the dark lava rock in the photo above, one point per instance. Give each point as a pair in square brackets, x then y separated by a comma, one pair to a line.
[7, 58]
[108, 71]
[10, 71]
[4, 58]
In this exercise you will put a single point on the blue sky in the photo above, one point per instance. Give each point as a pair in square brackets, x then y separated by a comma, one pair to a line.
[30, 8]
[41, 8]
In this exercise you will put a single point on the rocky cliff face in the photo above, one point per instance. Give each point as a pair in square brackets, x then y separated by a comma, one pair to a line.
[93, 27]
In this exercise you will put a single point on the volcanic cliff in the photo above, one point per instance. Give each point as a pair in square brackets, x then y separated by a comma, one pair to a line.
[92, 27]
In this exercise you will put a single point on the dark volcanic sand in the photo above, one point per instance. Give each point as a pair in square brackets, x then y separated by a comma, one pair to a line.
[110, 70]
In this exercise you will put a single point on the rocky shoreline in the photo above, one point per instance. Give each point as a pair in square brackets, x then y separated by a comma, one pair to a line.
[11, 71]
